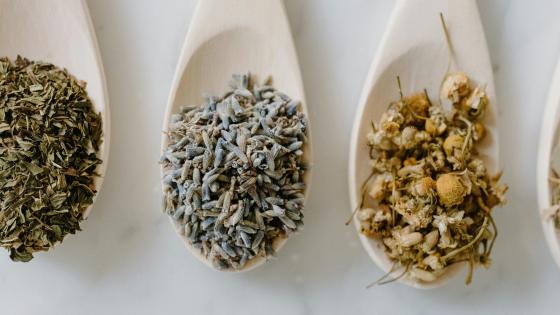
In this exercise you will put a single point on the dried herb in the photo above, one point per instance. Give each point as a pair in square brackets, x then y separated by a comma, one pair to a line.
[554, 211]
[234, 172]
[429, 197]
[49, 138]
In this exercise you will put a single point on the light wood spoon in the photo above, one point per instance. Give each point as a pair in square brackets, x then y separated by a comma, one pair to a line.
[548, 141]
[59, 32]
[235, 37]
[414, 47]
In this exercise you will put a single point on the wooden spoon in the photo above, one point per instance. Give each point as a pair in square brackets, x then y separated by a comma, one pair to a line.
[414, 47]
[228, 37]
[548, 141]
[59, 32]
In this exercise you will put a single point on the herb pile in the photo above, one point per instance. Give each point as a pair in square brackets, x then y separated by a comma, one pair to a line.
[429, 197]
[234, 172]
[49, 138]
[554, 211]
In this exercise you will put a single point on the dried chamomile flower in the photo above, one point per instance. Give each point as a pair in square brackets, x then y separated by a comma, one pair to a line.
[450, 189]
[419, 104]
[430, 240]
[475, 104]
[423, 186]
[455, 87]
[479, 131]
[435, 124]
[452, 143]
[380, 186]
[434, 261]
[429, 197]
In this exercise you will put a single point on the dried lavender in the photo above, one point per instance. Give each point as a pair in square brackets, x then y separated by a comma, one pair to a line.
[234, 172]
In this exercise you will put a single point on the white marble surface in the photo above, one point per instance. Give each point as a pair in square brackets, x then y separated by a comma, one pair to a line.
[127, 259]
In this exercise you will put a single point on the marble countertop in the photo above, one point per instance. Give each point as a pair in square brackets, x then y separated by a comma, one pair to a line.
[128, 260]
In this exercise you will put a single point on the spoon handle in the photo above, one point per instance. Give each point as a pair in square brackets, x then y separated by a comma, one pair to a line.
[547, 143]
[215, 16]
[421, 18]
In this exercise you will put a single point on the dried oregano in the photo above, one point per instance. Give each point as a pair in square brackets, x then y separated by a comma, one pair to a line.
[429, 197]
[234, 172]
[49, 138]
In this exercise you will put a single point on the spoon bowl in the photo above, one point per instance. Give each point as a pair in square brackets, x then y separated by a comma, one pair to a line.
[548, 141]
[414, 48]
[59, 32]
[228, 37]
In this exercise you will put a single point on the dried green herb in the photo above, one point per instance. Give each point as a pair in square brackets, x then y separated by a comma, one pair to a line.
[49, 139]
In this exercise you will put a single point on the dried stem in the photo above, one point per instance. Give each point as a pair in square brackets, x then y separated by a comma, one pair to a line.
[363, 193]
[468, 137]
[448, 40]
[469, 244]
[380, 280]
[400, 87]
[468, 280]
[352, 216]
[494, 237]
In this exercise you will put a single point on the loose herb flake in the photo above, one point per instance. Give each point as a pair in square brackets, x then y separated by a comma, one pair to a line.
[49, 138]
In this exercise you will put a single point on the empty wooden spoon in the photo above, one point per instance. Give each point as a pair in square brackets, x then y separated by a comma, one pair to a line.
[59, 32]
[548, 141]
[414, 48]
[234, 37]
